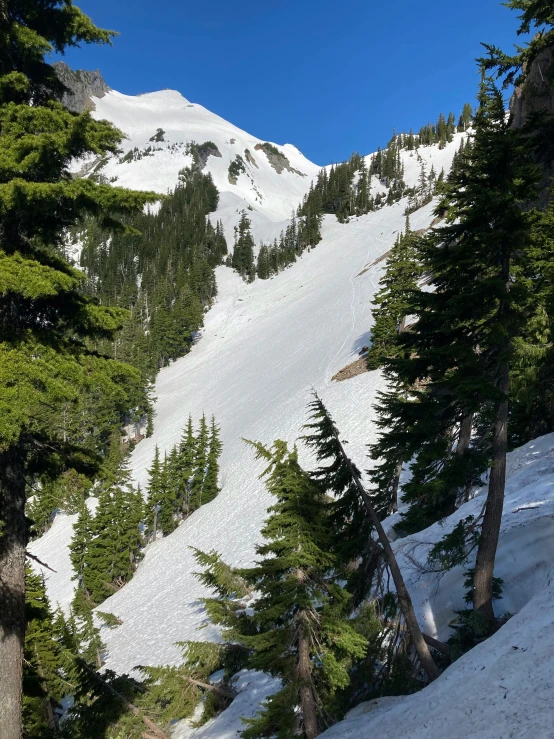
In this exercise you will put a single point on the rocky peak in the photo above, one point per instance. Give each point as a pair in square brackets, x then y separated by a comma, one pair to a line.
[81, 85]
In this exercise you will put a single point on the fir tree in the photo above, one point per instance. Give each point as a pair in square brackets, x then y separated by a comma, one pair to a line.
[185, 468]
[47, 365]
[243, 251]
[114, 549]
[43, 683]
[201, 449]
[302, 634]
[211, 487]
[402, 272]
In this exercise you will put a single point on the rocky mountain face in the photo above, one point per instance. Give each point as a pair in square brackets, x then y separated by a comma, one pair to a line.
[535, 96]
[81, 85]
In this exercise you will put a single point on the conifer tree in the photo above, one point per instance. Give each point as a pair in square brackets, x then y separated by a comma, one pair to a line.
[481, 258]
[43, 683]
[201, 448]
[211, 486]
[402, 272]
[114, 549]
[243, 251]
[302, 634]
[82, 535]
[185, 468]
[343, 478]
[45, 319]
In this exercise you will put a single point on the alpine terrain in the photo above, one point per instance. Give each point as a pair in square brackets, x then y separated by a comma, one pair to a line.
[287, 440]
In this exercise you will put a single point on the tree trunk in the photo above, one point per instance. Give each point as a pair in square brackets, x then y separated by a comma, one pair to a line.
[13, 540]
[304, 671]
[490, 531]
[406, 605]
[464, 440]
[394, 488]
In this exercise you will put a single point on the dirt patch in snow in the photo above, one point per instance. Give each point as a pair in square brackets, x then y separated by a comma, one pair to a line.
[352, 370]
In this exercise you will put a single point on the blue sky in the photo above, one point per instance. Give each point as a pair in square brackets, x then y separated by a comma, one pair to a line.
[329, 77]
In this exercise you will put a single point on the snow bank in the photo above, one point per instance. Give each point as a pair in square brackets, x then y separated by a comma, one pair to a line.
[502, 689]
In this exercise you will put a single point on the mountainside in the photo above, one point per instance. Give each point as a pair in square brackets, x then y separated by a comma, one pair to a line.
[265, 347]
[162, 129]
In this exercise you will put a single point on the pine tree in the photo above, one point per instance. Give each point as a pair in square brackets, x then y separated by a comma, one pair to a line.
[43, 683]
[302, 634]
[44, 370]
[243, 251]
[201, 447]
[211, 486]
[402, 272]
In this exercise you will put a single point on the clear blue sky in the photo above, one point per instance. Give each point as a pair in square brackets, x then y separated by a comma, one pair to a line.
[329, 77]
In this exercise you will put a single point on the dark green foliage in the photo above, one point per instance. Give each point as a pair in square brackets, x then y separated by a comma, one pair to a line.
[536, 15]
[446, 370]
[300, 604]
[236, 167]
[391, 303]
[163, 273]
[43, 683]
[471, 627]
[218, 576]
[185, 479]
[158, 136]
[243, 251]
[65, 493]
[105, 550]
[201, 152]
[350, 541]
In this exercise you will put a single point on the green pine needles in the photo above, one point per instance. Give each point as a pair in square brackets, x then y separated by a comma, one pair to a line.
[185, 479]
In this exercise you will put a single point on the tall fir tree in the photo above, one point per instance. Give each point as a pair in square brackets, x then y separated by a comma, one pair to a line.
[46, 364]
[391, 303]
[211, 480]
[201, 450]
[243, 251]
[302, 633]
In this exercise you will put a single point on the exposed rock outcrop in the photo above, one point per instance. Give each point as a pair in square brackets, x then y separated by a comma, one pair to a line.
[533, 96]
[81, 85]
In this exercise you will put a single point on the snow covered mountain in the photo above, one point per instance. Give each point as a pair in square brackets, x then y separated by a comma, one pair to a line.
[265, 347]
[162, 129]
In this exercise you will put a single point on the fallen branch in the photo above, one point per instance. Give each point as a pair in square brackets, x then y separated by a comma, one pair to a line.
[40, 562]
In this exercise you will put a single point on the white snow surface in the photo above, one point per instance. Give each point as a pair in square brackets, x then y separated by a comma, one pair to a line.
[253, 688]
[271, 196]
[264, 347]
[502, 689]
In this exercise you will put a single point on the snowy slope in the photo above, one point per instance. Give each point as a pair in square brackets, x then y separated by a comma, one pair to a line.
[502, 689]
[271, 196]
[264, 347]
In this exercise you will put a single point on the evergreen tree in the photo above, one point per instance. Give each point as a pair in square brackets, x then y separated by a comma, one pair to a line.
[43, 683]
[402, 272]
[482, 258]
[201, 449]
[185, 468]
[243, 251]
[114, 550]
[82, 535]
[46, 320]
[211, 487]
[302, 634]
